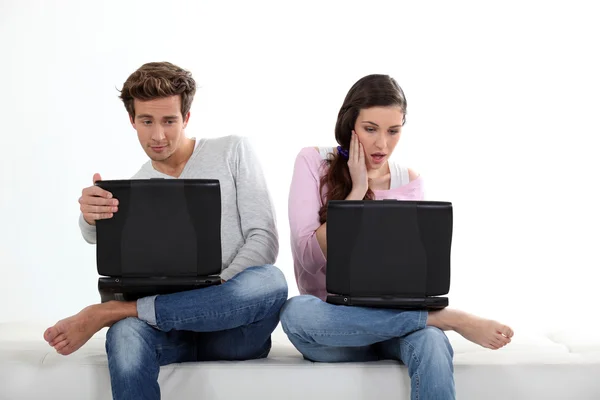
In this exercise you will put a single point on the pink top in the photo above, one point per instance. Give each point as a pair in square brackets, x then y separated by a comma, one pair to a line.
[303, 211]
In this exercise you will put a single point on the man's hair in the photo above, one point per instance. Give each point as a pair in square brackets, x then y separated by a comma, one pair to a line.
[156, 80]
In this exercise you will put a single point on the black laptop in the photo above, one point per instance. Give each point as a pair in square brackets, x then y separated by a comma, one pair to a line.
[389, 253]
[165, 237]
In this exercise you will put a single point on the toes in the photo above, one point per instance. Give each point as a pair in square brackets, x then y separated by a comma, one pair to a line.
[47, 334]
[506, 331]
[58, 339]
[492, 346]
[61, 345]
[502, 340]
[497, 343]
[50, 334]
[66, 350]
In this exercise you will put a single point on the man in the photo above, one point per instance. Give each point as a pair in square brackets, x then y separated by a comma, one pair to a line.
[231, 321]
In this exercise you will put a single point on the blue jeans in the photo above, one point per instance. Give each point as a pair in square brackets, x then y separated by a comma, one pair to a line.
[323, 332]
[231, 321]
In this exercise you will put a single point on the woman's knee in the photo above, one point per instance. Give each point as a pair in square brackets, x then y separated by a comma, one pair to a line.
[432, 343]
[299, 312]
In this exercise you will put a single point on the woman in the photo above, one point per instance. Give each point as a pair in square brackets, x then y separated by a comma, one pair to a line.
[367, 131]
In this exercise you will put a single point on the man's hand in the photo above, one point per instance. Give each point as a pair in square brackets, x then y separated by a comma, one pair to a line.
[97, 203]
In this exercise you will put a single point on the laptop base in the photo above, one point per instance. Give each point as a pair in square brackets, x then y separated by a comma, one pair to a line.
[405, 303]
[131, 289]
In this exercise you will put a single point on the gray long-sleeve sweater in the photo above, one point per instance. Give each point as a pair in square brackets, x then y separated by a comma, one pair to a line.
[248, 227]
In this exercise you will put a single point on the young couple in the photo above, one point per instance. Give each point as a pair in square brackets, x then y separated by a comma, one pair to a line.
[234, 320]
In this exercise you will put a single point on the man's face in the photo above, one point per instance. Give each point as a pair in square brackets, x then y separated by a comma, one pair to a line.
[160, 126]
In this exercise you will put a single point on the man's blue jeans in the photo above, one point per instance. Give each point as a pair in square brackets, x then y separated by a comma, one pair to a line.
[231, 321]
[324, 332]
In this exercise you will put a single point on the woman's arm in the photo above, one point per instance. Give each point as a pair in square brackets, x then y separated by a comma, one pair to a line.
[321, 232]
[304, 203]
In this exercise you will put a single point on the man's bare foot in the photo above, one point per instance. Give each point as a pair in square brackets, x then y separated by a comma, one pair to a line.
[484, 332]
[69, 334]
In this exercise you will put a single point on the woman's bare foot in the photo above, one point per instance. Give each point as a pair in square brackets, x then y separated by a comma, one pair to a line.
[484, 332]
[69, 334]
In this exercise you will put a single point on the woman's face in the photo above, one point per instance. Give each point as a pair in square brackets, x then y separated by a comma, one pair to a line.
[378, 129]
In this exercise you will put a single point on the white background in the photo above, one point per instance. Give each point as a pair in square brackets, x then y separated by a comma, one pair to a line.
[503, 118]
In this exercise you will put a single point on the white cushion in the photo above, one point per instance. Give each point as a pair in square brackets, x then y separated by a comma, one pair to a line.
[558, 365]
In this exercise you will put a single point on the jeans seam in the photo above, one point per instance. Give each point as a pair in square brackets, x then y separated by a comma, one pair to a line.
[420, 324]
[328, 333]
[414, 356]
[197, 317]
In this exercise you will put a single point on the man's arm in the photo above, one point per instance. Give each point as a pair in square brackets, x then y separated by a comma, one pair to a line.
[95, 203]
[257, 214]
[87, 231]
[93, 206]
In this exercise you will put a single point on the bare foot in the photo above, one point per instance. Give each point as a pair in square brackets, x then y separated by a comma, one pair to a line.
[484, 332]
[69, 334]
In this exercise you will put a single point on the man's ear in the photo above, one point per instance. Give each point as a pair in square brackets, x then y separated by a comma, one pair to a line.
[131, 120]
[186, 119]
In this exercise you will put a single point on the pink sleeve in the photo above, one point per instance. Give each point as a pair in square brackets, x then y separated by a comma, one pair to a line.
[304, 203]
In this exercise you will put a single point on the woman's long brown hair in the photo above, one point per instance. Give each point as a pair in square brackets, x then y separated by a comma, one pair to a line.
[370, 91]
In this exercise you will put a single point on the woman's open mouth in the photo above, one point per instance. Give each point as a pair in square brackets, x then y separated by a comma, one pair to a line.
[378, 158]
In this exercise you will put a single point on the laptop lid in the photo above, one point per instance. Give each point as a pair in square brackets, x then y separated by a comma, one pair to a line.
[164, 227]
[388, 248]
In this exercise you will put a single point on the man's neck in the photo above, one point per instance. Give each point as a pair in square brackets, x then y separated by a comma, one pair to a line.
[176, 163]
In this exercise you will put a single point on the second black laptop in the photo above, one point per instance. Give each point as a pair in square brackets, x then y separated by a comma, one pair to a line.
[165, 237]
[389, 253]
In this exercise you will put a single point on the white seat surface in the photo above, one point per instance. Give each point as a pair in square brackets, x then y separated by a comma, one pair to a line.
[559, 365]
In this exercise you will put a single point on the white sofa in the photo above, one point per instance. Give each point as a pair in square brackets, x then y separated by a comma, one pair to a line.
[553, 366]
